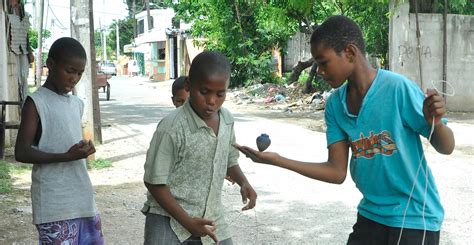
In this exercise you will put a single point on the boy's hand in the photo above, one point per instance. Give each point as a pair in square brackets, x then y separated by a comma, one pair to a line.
[257, 156]
[248, 192]
[81, 150]
[202, 227]
[433, 106]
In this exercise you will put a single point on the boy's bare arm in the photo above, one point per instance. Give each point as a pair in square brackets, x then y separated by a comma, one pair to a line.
[443, 138]
[197, 226]
[246, 190]
[332, 171]
[24, 152]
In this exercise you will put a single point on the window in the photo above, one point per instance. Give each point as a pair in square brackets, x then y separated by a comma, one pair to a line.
[141, 27]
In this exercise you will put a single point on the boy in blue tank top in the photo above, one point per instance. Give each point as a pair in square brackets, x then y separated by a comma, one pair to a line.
[380, 116]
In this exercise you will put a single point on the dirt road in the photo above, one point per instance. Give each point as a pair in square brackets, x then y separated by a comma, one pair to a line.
[291, 209]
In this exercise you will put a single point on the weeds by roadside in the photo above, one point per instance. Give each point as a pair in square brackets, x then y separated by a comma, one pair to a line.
[100, 164]
[7, 171]
[5, 178]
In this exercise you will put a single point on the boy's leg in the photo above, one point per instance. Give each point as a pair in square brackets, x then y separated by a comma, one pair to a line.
[367, 232]
[59, 232]
[90, 231]
[73, 231]
[226, 242]
[158, 231]
[413, 236]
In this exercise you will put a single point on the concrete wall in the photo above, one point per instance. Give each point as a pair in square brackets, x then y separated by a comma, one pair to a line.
[298, 50]
[460, 59]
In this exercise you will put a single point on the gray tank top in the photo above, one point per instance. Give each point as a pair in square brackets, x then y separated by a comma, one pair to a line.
[60, 191]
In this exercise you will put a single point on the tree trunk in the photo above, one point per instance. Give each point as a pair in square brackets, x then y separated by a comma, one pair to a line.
[309, 87]
[424, 6]
[297, 69]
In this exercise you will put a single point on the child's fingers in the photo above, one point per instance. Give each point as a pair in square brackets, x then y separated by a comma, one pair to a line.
[431, 92]
[251, 196]
[212, 235]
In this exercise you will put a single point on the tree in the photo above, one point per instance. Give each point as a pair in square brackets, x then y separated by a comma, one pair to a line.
[125, 34]
[372, 17]
[33, 37]
[437, 6]
[245, 31]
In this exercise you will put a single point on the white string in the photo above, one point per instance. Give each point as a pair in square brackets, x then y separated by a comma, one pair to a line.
[452, 93]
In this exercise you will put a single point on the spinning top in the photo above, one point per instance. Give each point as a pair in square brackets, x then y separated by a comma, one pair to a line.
[263, 142]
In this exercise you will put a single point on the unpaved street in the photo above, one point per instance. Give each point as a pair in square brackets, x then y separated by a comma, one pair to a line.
[291, 209]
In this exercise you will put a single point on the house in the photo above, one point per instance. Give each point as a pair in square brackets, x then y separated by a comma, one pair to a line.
[151, 43]
[164, 50]
[14, 62]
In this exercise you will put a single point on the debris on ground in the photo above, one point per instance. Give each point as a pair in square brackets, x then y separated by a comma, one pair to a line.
[284, 98]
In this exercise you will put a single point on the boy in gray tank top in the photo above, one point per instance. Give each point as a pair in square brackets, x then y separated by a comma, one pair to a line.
[50, 137]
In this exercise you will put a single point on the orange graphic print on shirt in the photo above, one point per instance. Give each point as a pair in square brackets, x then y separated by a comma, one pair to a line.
[368, 147]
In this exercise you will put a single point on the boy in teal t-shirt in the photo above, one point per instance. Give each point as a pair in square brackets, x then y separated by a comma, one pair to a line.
[379, 115]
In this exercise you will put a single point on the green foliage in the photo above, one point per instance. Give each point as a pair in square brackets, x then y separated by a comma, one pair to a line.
[125, 35]
[245, 31]
[33, 37]
[465, 7]
[5, 178]
[100, 164]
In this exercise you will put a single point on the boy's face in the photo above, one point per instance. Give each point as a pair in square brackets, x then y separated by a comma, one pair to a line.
[66, 74]
[334, 68]
[208, 95]
[180, 97]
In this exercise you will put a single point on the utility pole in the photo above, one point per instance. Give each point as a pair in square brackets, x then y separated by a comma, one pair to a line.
[148, 18]
[117, 41]
[81, 13]
[104, 48]
[134, 20]
[39, 52]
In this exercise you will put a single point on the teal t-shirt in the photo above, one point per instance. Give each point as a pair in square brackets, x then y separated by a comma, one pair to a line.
[386, 151]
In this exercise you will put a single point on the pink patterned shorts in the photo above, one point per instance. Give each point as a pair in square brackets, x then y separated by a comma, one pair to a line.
[72, 232]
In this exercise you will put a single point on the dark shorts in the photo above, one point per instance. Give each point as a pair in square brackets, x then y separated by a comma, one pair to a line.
[74, 231]
[368, 232]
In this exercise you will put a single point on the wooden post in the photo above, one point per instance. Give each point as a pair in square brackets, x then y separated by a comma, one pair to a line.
[80, 30]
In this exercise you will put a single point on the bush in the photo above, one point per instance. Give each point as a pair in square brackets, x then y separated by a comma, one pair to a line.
[5, 178]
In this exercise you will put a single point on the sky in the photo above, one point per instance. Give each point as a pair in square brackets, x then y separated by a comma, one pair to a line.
[57, 13]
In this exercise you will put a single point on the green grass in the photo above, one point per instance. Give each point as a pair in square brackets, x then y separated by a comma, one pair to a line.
[5, 178]
[100, 164]
[20, 168]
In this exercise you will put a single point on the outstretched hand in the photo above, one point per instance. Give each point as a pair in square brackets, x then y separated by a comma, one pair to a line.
[81, 150]
[257, 156]
[202, 227]
[433, 106]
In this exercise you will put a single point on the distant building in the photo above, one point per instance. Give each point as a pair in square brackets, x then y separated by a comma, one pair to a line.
[164, 51]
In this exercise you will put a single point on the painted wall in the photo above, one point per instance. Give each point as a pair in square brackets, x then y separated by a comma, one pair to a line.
[298, 50]
[460, 58]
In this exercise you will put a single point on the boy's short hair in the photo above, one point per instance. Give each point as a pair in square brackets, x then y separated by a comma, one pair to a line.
[178, 84]
[337, 32]
[207, 64]
[66, 48]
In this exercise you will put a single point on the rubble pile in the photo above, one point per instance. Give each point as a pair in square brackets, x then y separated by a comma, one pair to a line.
[287, 99]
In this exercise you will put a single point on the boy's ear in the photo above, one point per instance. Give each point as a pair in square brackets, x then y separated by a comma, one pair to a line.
[50, 63]
[351, 51]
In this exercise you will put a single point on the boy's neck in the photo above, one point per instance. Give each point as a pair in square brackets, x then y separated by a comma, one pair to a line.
[362, 78]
